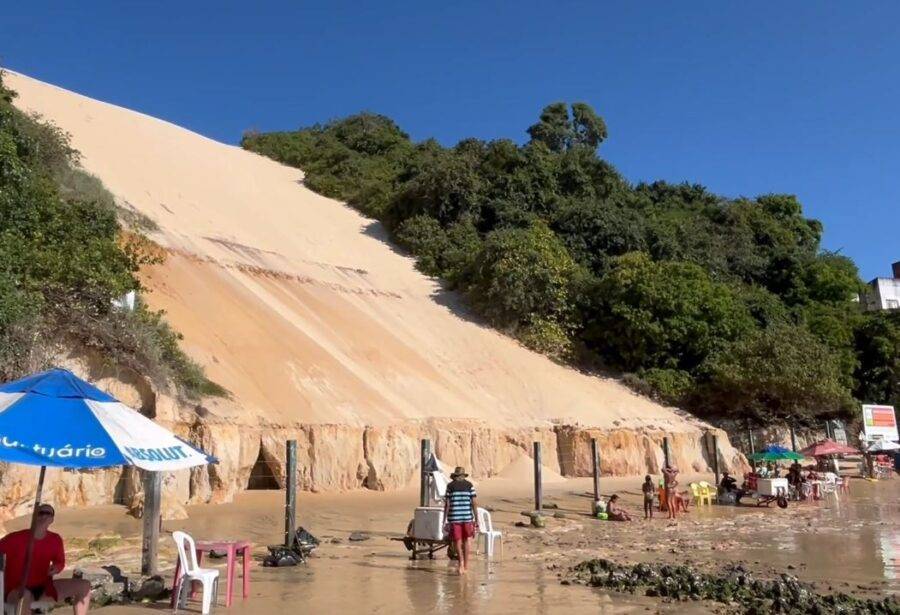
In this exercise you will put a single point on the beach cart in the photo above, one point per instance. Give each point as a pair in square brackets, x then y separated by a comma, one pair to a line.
[425, 534]
[423, 547]
[770, 490]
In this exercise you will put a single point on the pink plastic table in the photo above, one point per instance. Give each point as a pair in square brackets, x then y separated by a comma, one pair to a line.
[231, 548]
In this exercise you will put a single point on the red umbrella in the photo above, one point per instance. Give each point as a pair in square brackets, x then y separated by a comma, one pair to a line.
[827, 447]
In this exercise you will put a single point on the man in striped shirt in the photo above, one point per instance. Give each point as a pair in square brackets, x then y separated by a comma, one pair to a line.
[460, 512]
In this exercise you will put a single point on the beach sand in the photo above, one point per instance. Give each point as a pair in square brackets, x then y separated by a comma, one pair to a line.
[376, 576]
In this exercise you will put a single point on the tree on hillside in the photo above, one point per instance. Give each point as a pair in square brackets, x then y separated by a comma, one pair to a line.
[647, 314]
[522, 276]
[782, 373]
[560, 132]
[595, 232]
[588, 128]
[877, 341]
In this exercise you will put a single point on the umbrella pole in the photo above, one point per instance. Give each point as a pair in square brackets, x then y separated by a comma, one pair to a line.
[29, 552]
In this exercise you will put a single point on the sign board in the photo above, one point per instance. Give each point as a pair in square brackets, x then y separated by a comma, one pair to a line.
[880, 422]
[839, 433]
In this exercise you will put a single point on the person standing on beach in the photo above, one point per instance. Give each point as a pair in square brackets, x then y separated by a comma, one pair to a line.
[669, 474]
[460, 511]
[648, 490]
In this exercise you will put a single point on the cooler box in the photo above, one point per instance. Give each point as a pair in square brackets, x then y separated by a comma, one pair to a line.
[428, 523]
[772, 486]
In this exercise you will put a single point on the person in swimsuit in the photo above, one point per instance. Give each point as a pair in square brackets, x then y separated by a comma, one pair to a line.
[669, 474]
[615, 512]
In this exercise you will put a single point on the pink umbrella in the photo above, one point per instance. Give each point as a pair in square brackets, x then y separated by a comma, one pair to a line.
[826, 447]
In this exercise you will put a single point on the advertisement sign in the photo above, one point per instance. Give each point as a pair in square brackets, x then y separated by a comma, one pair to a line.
[880, 422]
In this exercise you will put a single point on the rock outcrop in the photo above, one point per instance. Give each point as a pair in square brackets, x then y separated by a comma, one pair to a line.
[341, 457]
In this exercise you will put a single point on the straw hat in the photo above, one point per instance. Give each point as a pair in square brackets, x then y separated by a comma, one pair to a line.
[459, 472]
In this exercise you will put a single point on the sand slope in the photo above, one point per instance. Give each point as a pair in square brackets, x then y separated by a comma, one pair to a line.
[298, 305]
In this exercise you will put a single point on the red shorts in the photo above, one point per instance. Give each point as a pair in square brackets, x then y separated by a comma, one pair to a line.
[461, 531]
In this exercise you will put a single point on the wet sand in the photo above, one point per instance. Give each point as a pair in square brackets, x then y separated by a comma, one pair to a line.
[839, 545]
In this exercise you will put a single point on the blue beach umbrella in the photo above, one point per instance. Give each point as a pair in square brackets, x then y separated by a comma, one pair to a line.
[56, 419]
[775, 452]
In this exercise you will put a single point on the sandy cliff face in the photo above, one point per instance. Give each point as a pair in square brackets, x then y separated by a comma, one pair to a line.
[323, 332]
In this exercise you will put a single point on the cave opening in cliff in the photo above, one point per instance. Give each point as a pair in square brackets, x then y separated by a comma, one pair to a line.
[263, 475]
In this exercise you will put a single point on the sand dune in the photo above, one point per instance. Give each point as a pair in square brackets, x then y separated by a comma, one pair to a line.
[298, 305]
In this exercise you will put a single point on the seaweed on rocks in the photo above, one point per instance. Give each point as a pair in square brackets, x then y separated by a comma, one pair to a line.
[734, 586]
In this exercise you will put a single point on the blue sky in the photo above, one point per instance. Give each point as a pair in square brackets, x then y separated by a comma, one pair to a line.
[745, 98]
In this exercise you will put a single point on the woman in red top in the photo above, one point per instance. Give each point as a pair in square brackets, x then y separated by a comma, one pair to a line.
[48, 559]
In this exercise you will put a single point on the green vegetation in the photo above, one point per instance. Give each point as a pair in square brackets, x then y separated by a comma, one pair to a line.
[64, 258]
[726, 306]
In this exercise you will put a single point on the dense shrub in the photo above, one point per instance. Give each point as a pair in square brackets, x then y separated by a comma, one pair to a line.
[64, 258]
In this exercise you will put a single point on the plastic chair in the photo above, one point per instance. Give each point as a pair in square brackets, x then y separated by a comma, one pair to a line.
[844, 485]
[710, 491]
[807, 491]
[829, 484]
[697, 493]
[487, 531]
[191, 571]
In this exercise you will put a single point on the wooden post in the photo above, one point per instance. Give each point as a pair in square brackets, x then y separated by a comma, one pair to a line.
[750, 437]
[290, 497]
[29, 551]
[151, 520]
[715, 460]
[666, 452]
[793, 440]
[423, 476]
[595, 460]
[538, 494]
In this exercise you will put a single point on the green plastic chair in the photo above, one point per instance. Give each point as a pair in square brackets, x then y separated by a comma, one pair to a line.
[711, 492]
[697, 493]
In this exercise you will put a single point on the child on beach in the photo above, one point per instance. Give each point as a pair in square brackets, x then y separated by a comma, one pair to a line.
[648, 490]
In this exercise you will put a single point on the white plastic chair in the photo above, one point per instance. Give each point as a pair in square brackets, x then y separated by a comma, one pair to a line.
[486, 530]
[829, 485]
[191, 571]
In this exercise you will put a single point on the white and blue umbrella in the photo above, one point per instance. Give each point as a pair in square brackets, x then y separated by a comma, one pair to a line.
[56, 419]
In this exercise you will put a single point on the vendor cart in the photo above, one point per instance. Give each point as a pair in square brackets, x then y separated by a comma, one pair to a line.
[421, 547]
[767, 490]
[425, 534]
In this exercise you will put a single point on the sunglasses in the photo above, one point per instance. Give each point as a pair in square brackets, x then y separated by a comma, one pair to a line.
[45, 513]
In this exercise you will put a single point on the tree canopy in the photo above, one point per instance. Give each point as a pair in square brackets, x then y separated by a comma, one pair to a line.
[728, 306]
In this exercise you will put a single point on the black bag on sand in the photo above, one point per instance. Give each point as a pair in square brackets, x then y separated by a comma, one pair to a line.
[303, 544]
